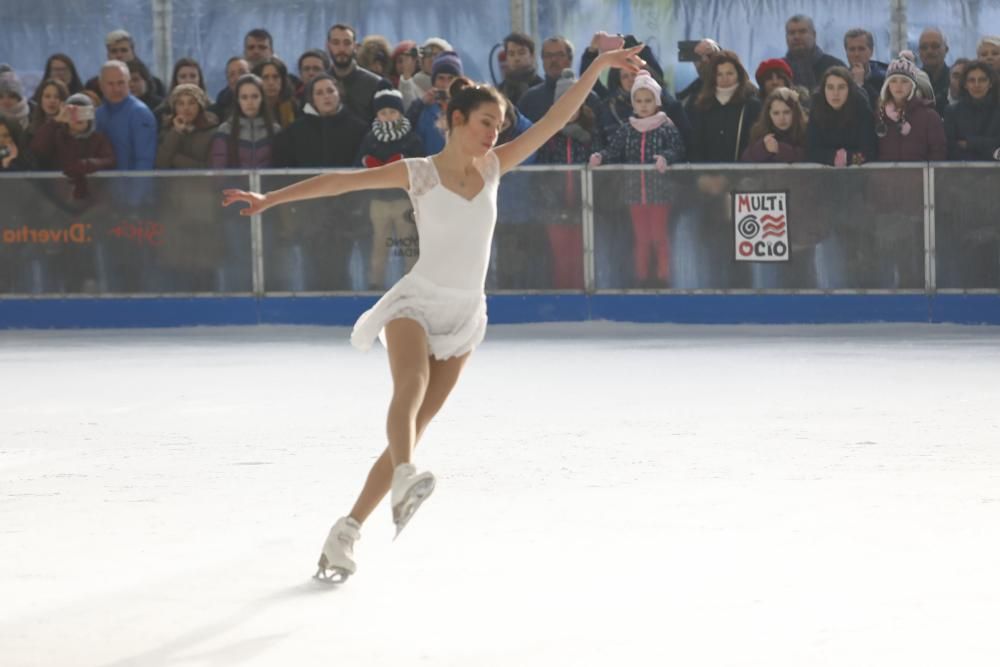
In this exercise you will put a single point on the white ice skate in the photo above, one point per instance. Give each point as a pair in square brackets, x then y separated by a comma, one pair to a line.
[336, 563]
[409, 490]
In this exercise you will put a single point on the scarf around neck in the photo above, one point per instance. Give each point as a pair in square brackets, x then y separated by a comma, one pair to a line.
[658, 119]
[726, 94]
[389, 132]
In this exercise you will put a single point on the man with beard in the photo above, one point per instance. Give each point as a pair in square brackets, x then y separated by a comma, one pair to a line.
[359, 84]
[521, 68]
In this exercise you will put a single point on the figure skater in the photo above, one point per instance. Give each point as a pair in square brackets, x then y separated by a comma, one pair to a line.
[432, 319]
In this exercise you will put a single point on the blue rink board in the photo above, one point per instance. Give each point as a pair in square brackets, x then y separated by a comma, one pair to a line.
[53, 313]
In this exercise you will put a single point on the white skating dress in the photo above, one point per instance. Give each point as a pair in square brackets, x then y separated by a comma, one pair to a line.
[444, 289]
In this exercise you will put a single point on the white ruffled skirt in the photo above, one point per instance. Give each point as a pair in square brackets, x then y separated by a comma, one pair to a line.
[454, 319]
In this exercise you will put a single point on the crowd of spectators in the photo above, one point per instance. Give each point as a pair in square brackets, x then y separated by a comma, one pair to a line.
[918, 107]
[365, 102]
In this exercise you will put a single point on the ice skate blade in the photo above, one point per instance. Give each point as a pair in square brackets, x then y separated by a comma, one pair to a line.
[404, 511]
[330, 575]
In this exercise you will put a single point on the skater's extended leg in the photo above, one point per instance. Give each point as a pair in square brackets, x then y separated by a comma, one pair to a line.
[443, 376]
[406, 343]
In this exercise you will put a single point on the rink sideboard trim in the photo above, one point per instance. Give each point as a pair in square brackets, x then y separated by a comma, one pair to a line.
[76, 313]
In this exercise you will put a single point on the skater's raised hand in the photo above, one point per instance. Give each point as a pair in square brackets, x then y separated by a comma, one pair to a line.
[626, 59]
[257, 201]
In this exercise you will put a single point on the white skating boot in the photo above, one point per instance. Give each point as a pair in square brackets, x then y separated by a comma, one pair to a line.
[409, 490]
[336, 563]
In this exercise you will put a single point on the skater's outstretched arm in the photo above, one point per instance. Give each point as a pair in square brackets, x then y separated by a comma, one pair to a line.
[513, 153]
[392, 175]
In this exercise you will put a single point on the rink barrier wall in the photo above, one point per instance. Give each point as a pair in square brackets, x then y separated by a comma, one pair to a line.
[170, 311]
[734, 306]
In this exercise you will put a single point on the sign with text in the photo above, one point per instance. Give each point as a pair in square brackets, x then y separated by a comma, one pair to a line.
[761, 226]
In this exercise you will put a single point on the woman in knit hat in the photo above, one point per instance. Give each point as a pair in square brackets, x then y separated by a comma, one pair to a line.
[13, 104]
[390, 139]
[650, 137]
[435, 316]
[726, 109]
[187, 141]
[777, 73]
[426, 114]
[908, 127]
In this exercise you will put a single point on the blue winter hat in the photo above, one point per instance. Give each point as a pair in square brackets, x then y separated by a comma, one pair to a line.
[447, 62]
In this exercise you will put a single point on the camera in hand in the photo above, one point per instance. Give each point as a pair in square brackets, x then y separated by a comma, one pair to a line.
[4, 152]
[441, 95]
[685, 51]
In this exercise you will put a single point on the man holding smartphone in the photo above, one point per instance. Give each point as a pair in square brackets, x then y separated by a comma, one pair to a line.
[424, 113]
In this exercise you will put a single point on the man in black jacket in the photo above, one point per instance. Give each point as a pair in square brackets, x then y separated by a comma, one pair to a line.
[808, 61]
[359, 84]
[522, 72]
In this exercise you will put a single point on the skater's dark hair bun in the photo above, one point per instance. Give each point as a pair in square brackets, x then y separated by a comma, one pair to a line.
[466, 96]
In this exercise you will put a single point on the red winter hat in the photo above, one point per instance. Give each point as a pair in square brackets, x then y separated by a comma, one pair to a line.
[771, 65]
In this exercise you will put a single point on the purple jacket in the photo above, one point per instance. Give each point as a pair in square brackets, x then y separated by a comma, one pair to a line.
[925, 142]
[787, 152]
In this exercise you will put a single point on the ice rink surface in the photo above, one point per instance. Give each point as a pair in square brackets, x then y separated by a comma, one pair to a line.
[607, 495]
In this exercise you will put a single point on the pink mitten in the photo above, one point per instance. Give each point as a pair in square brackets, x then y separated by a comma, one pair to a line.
[840, 159]
[661, 163]
[608, 42]
[595, 160]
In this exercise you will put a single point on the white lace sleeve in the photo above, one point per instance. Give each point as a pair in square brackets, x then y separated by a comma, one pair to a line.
[423, 176]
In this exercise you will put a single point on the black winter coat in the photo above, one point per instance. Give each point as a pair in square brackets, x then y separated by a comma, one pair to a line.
[857, 137]
[977, 123]
[320, 141]
[716, 130]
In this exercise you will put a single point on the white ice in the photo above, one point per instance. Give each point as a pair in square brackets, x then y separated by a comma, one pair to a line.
[607, 495]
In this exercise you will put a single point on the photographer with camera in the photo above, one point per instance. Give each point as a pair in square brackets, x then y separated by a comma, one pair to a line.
[70, 143]
[425, 112]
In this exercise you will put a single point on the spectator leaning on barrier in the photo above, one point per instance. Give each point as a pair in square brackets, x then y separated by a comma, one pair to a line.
[522, 70]
[908, 127]
[189, 128]
[841, 129]
[390, 139]
[972, 124]
[14, 153]
[650, 137]
[236, 67]
[245, 140]
[279, 95]
[859, 44]
[127, 122]
[13, 104]
[807, 60]
[358, 83]
[327, 135]
[933, 48]
[70, 143]
[48, 100]
[726, 109]
[779, 135]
